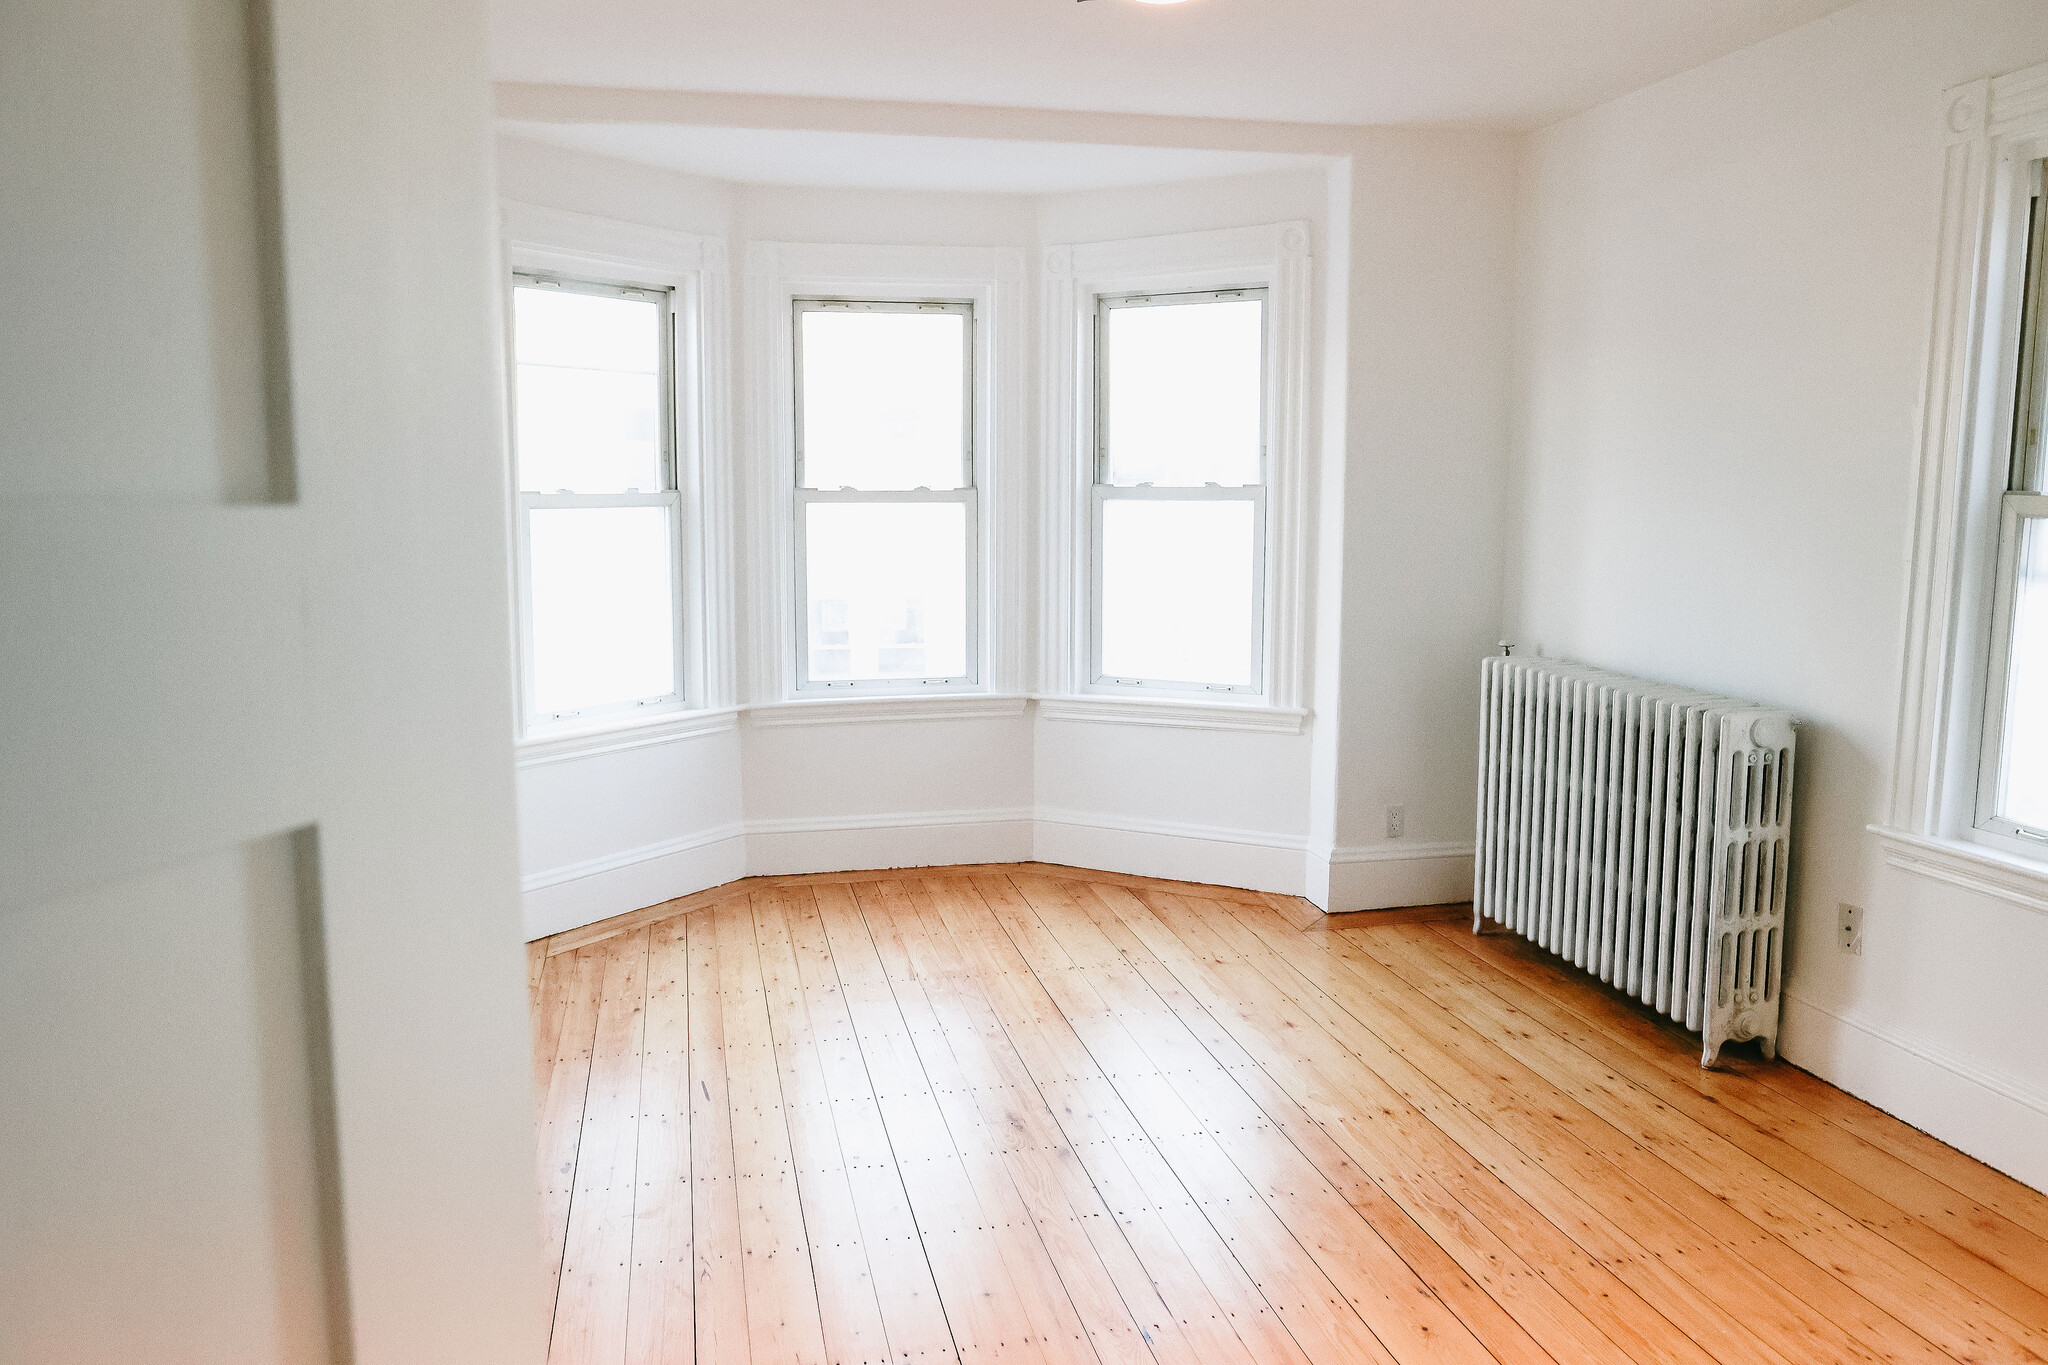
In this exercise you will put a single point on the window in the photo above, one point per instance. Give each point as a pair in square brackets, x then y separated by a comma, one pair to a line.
[1179, 499]
[885, 495]
[2012, 797]
[599, 544]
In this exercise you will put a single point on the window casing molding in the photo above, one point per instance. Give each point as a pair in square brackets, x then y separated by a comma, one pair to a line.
[1996, 129]
[547, 241]
[1074, 279]
[991, 280]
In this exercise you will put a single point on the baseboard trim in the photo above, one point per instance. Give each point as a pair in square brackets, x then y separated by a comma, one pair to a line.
[1998, 1119]
[1365, 878]
[854, 843]
[1391, 875]
[1253, 859]
[570, 897]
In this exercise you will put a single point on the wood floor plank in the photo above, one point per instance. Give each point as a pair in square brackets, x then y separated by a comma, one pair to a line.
[1032, 1177]
[848, 1309]
[661, 1324]
[1062, 1286]
[1728, 1243]
[1031, 1113]
[1320, 1313]
[913, 1319]
[1905, 1289]
[720, 1302]
[1128, 996]
[783, 1308]
[1990, 1256]
[1180, 1316]
[1251, 1004]
[590, 1316]
[1396, 1301]
[1952, 1232]
[559, 1126]
[985, 1308]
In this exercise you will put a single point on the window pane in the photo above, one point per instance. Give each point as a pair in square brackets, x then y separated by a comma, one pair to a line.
[887, 590]
[589, 399]
[603, 610]
[2023, 768]
[1177, 582]
[1182, 393]
[884, 400]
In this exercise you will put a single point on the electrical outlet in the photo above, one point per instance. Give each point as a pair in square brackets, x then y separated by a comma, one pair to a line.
[1849, 928]
[1397, 821]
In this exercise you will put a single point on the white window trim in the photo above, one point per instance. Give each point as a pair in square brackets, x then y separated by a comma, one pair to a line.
[579, 246]
[1996, 128]
[992, 280]
[1273, 257]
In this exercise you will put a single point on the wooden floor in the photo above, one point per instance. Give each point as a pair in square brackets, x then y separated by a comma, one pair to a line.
[1032, 1113]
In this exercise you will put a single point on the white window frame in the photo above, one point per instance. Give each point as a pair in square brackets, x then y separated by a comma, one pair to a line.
[1105, 492]
[2025, 501]
[803, 497]
[1951, 693]
[990, 282]
[578, 247]
[1079, 280]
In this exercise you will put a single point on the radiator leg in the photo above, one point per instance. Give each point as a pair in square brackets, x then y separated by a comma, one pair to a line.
[1770, 1047]
[1710, 1052]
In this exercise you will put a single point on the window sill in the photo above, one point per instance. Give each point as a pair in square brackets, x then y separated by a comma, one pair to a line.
[563, 745]
[1183, 715]
[2008, 877]
[869, 710]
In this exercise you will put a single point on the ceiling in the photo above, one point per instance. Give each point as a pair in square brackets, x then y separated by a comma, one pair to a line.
[892, 162]
[1492, 63]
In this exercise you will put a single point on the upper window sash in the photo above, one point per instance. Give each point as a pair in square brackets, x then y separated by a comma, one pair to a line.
[1252, 426]
[663, 373]
[961, 476]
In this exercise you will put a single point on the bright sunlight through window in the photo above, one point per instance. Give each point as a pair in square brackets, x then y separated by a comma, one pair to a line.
[598, 546]
[1180, 499]
[885, 493]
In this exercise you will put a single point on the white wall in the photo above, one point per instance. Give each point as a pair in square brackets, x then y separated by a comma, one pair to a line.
[1724, 304]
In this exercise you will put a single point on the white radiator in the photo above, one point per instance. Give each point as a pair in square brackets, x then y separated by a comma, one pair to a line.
[1640, 831]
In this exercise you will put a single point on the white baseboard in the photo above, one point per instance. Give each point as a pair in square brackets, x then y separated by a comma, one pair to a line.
[922, 839]
[1356, 879]
[1252, 859]
[570, 897]
[1997, 1119]
[1387, 876]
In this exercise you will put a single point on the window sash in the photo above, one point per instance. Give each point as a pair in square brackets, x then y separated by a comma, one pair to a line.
[800, 606]
[2018, 510]
[669, 496]
[674, 698]
[1106, 303]
[1255, 494]
[1102, 491]
[967, 495]
[800, 306]
[662, 298]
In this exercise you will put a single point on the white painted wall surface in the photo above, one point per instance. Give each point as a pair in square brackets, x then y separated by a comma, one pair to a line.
[1724, 305]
